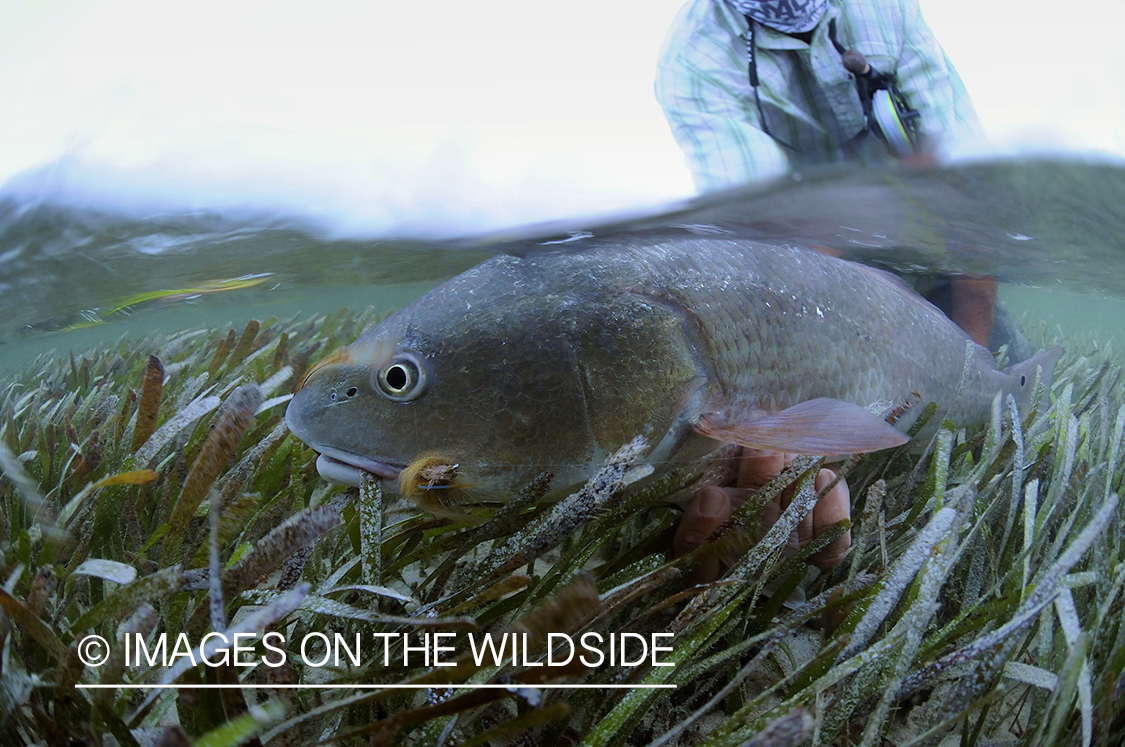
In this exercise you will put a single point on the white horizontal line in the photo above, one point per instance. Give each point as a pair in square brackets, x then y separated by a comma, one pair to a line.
[399, 686]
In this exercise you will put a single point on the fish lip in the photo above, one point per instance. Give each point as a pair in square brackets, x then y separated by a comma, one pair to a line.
[385, 470]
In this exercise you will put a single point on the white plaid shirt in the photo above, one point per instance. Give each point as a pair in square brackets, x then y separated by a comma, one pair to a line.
[809, 99]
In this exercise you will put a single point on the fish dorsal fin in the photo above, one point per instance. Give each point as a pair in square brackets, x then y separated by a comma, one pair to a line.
[819, 426]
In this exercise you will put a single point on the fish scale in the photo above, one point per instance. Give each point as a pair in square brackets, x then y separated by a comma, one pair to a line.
[552, 360]
[770, 351]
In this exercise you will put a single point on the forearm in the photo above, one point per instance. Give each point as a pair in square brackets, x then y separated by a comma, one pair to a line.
[932, 84]
[722, 151]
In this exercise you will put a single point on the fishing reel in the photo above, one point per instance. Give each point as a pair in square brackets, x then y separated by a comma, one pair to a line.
[889, 115]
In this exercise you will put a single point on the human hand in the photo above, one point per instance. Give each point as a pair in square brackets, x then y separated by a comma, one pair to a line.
[711, 505]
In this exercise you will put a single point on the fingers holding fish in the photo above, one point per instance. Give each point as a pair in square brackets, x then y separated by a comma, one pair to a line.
[757, 467]
[711, 505]
[833, 508]
[707, 509]
[829, 510]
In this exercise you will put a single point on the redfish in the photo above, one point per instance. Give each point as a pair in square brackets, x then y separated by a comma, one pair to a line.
[552, 360]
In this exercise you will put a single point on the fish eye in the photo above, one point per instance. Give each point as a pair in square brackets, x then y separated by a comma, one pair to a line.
[403, 378]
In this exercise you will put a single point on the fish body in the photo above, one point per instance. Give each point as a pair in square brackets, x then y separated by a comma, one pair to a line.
[553, 360]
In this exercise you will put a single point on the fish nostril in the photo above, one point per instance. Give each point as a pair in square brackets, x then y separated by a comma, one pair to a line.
[352, 392]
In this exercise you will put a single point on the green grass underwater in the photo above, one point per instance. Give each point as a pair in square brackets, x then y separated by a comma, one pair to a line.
[151, 487]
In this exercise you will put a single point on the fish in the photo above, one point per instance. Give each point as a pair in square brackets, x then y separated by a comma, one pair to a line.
[551, 360]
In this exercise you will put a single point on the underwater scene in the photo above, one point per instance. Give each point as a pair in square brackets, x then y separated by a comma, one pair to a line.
[177, 570]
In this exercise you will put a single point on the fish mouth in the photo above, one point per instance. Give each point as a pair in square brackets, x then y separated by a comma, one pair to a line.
[343, 468]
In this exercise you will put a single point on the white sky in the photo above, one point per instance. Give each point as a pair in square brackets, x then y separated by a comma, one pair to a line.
[443, 117]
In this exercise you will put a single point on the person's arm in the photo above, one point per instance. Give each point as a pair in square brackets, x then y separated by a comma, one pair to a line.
[934, 88]
[932, 85]
[703, 87]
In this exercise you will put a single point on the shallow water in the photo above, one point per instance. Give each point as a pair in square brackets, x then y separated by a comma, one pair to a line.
[1052, 231]
[75, 279]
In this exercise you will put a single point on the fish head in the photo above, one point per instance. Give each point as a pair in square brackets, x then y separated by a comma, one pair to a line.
[507, 371]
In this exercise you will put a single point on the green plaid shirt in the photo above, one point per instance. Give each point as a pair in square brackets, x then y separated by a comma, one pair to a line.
[809, 100]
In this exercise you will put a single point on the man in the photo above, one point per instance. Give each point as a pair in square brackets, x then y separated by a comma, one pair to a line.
[753, 88]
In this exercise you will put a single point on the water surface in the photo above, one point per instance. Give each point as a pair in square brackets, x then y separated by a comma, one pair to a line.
[1052, 231]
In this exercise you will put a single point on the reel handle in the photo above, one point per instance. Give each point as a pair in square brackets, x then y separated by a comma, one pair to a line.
[855, 63]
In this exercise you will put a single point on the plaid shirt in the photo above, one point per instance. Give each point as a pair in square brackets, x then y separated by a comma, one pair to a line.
[809, 100]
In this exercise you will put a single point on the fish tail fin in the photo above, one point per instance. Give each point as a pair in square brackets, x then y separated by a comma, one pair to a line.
[1023, 376]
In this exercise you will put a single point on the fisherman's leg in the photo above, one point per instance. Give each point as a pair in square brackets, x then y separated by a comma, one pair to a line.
[961, 298]
[973, 305]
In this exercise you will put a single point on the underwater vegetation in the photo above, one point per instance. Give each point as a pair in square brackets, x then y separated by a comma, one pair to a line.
[151, 489]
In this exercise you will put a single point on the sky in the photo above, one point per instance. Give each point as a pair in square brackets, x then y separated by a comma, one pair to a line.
[442, 118]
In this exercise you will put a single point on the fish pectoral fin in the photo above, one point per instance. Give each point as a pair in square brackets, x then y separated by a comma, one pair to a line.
[817, 427]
